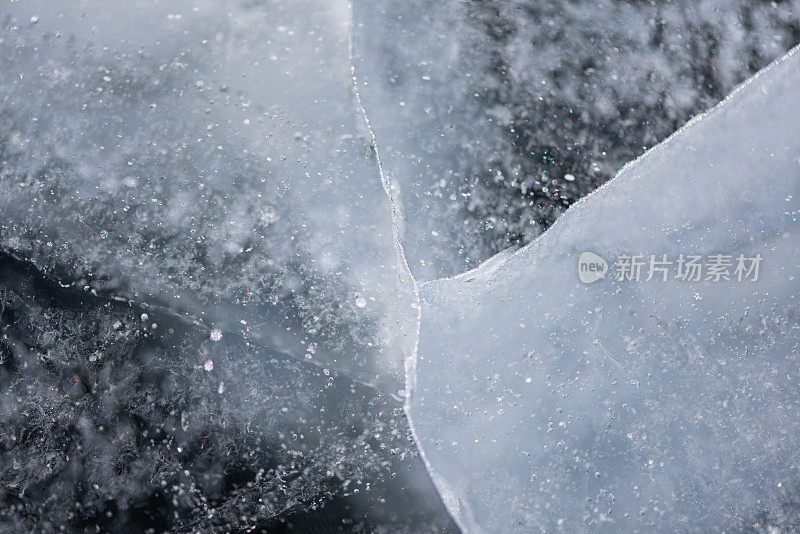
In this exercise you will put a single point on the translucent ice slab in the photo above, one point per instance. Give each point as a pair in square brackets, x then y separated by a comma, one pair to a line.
[492, 117]
[205, 156]
[542, 402]
[421, 81]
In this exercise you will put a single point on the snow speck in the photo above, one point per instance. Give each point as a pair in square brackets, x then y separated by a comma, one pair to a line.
[216, 334]
[209, 365]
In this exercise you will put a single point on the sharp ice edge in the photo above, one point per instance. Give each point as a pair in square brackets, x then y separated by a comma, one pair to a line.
[500, 257]
[406, 280]
[410, 328]
[460, 510]
[457, 497]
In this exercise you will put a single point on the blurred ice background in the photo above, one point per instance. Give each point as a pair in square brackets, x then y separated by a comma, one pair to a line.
[203, 168]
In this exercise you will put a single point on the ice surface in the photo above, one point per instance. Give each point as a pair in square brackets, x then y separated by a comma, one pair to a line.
[206, 157]
[211, 160]
[414, 67]
[250, 104]
[541, 402]
[482, 110]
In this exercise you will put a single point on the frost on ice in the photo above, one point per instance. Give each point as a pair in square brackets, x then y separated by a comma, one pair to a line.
[541, 402]
[493, 117]
[206, 157]
[202, 158]
[219, 169]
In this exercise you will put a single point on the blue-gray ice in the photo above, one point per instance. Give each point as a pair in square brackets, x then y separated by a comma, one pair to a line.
[541, 402]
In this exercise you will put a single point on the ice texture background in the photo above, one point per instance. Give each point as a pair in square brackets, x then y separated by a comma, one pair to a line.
[125, 422]
[542, 403]
[494, 117]
[207, 165]
[206, 158]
